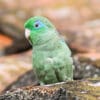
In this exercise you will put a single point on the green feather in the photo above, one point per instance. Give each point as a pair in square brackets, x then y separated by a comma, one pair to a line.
[51, 56]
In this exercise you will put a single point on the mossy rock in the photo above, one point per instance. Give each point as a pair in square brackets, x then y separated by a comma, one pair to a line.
[72, 90]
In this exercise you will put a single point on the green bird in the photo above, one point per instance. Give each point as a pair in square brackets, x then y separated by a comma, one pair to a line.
[51, 56]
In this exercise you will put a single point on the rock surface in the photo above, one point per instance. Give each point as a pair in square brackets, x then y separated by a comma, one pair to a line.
[73, 90]
[12, 67]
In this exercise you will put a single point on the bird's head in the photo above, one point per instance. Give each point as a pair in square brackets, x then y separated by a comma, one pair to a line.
[38, 29]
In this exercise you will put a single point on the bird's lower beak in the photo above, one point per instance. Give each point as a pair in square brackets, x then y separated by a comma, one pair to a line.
[27, 33]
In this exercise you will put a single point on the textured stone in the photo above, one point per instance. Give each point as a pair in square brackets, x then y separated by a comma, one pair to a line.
[73, 90]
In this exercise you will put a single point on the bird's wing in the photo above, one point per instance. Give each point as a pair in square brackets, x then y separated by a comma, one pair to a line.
[63, 68]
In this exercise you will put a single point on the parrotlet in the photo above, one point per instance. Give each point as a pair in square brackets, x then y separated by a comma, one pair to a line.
[51, 56]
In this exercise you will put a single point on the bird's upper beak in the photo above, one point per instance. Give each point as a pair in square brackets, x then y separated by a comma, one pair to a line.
[27, 33]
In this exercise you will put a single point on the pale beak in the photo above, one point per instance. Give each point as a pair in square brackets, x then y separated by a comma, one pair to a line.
[27, 33]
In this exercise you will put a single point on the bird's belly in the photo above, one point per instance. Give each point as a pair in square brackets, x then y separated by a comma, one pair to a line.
[40, 59]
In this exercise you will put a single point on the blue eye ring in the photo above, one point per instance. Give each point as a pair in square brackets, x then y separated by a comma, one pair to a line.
[38, 24]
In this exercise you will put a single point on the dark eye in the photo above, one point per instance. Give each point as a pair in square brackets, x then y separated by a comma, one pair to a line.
[36, 25]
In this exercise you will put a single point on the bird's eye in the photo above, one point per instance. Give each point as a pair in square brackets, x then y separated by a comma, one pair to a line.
[36, 25]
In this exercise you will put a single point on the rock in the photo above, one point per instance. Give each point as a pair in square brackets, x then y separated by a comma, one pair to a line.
[85, 38]
[26, 79]
[36, 93]
[93, 58]
[12, 67]
[85, 67]
[72, 90]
